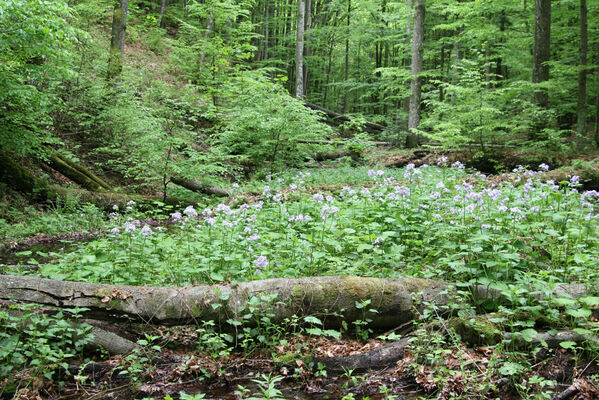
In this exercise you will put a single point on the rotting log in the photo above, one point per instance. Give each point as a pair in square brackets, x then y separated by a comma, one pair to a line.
[381, 357]
[22, 180]
[201, 187]
[339, 119]
[77, 173]
[392, 298]
[334, 155]
[338, 142]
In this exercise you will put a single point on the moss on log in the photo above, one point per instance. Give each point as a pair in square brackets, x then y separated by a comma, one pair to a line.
[201, 187]
[392, 298]
[77, 173]
[20, 179]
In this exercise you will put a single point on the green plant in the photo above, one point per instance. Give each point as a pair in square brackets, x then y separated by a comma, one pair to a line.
[215, 343]
[40, 343]
[266, 124]
[362, 332]
[267, 385]
[135, 365]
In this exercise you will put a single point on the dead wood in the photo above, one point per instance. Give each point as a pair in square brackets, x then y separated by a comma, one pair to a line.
[393, 298]
[201, 187]
[77, 173]
[382, 357]
[338, 119]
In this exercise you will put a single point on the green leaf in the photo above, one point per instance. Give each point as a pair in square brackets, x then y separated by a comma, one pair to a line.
[312, 320]
[579, 313]
[569, 345]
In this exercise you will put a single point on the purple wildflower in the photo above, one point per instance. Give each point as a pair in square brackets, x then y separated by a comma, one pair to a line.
[146, 230]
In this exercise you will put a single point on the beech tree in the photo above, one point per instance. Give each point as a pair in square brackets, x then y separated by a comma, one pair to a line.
[299, 50]
[416, 83]
[582, 73]
[542, 50]
[117, 41]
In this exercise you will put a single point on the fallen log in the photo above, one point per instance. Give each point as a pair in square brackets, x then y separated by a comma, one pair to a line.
[201, 187]
[77, 173]
[334, 155]
[324, 296]
[381, 357]
[338, 142]
[335, 298]
[102, 335]
[339, 119]
[22, 180]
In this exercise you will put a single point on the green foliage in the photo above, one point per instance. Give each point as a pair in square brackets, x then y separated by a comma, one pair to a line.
[265, 123]
[35, 44]
[39, 343]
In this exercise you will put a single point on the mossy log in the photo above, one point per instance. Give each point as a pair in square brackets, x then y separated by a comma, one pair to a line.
[339, 119]
[333, 155]
[22, 180]
[336, 298]
[200, 187]
[392, 298]
[77, 173]
[587, 171]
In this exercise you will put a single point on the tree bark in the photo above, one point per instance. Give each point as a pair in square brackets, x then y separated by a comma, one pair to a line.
[307, 48]
[197, 186]
[416, 84]
[581, 108]
[299, 51]
[335, 298]
[209, 23]
[163, 5]
[339, 119]
[77, 173]
[117, 42]
[346, 91]
[541, 50]
[392, 298]
[22, 180]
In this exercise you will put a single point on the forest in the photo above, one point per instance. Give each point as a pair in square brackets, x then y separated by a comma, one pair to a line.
[299, 199]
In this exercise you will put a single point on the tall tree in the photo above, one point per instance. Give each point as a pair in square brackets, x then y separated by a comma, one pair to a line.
[581, 108]
[163, 4]
[542, 50]
[117, 42]
[299, 50]
[307, 49]
[345, 96]
[416, 84]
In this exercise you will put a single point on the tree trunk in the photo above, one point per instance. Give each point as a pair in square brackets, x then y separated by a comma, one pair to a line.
[201, 187]
[416, 85]
[163, 4]
[392, 298]
[77, 173]
[541, 50]
[581, 108]
[596, 135]
[346, 94]
[335, 298]
[338, 119]
[209, 23]
[20, 179]
[307, 49]
[117, 42]
[299, 50]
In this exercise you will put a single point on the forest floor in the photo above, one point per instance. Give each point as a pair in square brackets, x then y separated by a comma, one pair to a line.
[441, 222]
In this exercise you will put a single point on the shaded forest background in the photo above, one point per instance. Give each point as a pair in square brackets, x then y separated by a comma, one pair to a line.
[150, 90]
